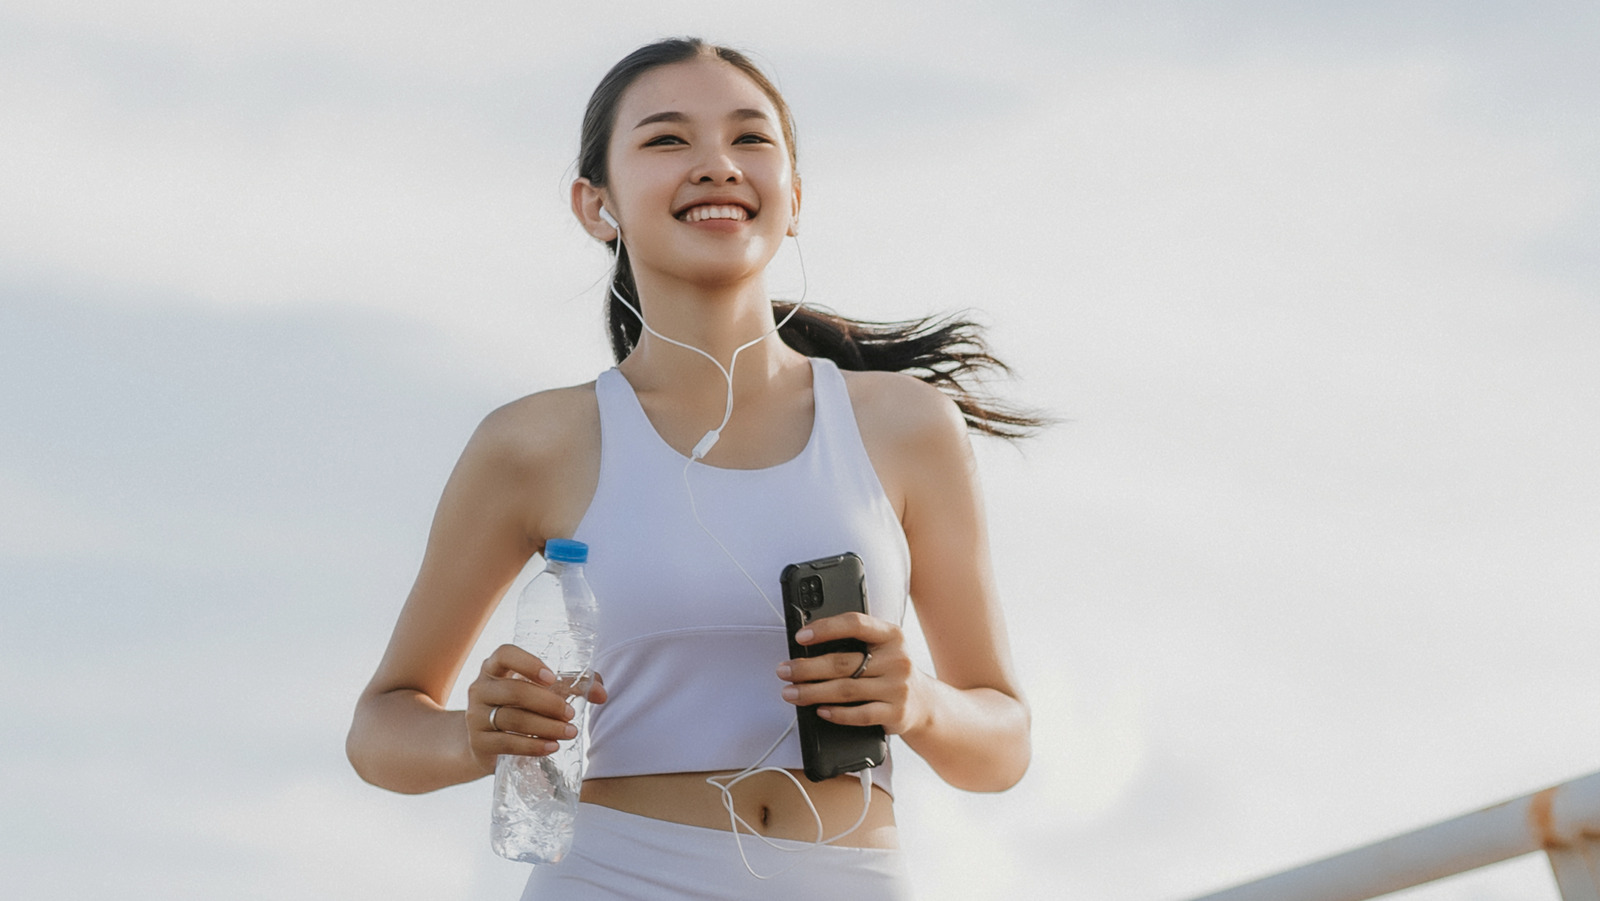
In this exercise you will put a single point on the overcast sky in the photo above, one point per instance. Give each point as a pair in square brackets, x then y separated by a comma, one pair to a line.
[1315, 287]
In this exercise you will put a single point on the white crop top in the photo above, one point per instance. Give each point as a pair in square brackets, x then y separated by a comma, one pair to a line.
[688, 649]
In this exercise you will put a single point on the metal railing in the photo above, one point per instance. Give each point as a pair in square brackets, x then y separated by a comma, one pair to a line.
[1563, 821]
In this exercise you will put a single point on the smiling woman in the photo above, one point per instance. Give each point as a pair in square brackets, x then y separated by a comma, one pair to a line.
[834, 438]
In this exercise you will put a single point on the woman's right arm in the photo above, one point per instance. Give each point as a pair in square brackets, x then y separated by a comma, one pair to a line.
[505, 494]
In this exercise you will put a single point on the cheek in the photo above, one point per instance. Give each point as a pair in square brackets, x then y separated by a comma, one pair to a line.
[776, 183]
[627, 198]
[631, 175]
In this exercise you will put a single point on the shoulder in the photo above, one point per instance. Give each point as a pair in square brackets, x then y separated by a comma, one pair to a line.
[903, 409]
[914, 434]
[538, 430]
[534, 461]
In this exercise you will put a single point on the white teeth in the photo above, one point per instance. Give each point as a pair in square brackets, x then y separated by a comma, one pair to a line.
[701, 213]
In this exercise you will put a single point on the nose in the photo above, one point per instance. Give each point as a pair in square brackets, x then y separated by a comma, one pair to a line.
[716, 168]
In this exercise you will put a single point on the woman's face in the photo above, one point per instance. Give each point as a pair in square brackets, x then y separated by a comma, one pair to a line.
[699, 174]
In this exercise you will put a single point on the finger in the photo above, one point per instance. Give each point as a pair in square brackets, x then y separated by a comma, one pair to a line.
[842, 665]
[874, 713]
[496, 743]
[833, 691]
[509, 660]
[519, 722]
[524, 695]
[597, 690]
[869, 629]
[886, 662]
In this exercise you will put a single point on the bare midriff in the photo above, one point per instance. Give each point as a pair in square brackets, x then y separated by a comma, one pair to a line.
[769, 802]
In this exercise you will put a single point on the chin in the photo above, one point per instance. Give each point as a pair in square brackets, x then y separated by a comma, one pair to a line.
[728, 272]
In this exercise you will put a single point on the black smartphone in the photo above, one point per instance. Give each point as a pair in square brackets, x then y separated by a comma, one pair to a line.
[812, 590]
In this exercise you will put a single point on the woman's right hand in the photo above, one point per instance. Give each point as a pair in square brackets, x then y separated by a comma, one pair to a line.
[533, 713]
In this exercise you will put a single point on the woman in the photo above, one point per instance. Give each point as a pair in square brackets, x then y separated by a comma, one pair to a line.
[687, 171]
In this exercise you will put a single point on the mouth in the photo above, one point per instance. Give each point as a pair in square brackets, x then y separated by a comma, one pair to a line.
[714, 211]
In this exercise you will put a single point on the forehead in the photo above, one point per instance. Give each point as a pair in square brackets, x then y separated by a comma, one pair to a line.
[701, 87]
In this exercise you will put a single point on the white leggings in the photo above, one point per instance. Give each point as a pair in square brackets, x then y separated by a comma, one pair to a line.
[618, 855]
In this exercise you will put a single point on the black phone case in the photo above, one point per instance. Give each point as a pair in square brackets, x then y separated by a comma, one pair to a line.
[830, 749]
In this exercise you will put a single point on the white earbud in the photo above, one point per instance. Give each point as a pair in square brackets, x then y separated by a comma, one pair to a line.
[610, 219]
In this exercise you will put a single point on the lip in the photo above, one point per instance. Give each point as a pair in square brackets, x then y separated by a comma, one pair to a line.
[716, 200]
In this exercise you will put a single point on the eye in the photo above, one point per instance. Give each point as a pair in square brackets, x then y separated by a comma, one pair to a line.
[753, 138]
[664, 140]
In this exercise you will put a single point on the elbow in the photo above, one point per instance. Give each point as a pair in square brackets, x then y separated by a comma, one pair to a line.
[369, 765]
[1010, 752]
[1019, 767]
[994, 779]
[397, 760]
[1014, 765]
[1006, 773]
[363, 749]
[1024, 756]
[360, 757]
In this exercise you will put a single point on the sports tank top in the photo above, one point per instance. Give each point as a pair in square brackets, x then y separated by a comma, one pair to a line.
[687, 647]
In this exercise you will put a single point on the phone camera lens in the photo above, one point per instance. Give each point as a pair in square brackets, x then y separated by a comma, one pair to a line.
[811, 592]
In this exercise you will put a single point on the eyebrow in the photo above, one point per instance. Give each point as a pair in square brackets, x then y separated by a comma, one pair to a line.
[675, 116]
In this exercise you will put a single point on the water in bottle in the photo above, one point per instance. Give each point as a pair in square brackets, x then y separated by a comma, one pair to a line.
[536, 798]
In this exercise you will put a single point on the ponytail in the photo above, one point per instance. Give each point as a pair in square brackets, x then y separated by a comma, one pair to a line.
[947, 352]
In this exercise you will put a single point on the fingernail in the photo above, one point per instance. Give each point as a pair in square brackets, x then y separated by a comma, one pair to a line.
[825, 712]
[791, 693]
[570, 712]
[804, 635]
[550, 747]
[783, 671]
[569, 731]
[546, 677]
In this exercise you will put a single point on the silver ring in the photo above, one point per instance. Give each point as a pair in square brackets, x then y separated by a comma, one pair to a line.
[866, 658]
[492, 724]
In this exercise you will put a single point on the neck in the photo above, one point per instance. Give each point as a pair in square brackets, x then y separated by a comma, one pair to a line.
[716, 319]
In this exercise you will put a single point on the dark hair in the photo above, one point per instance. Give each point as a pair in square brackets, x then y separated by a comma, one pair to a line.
[947, 352]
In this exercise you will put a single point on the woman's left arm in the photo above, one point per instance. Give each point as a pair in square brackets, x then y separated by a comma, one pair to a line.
[968, 719]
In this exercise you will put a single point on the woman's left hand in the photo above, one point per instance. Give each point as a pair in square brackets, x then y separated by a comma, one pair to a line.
[888, 692]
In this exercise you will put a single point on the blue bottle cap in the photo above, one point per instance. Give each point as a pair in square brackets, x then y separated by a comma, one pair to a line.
[565, 550]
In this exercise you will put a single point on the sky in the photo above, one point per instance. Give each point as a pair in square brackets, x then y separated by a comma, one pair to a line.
[1314, 288]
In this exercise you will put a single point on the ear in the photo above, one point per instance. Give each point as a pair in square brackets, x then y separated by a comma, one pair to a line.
[586, 203]
[794, 211]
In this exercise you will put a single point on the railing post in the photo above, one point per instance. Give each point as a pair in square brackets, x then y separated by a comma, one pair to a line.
[1577, 869]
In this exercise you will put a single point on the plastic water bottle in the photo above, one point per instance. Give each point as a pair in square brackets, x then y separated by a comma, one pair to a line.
[536, 798]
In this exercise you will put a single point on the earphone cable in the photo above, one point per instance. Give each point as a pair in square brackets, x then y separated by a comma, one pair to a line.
[725, 784]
